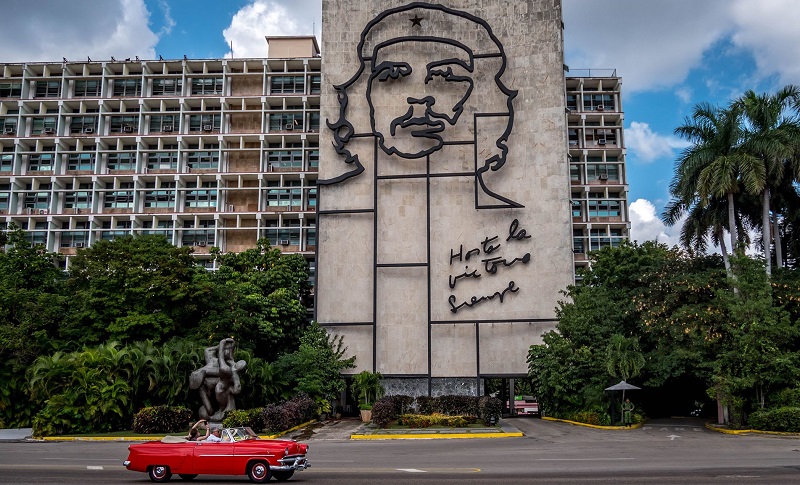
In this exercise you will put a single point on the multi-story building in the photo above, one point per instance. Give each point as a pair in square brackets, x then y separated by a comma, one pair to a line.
[597, 162]
[221, 152]
[214, 152]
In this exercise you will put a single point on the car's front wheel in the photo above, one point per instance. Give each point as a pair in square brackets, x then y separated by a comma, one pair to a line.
[186, 476]
[258, 472]
[159, 473]
[282, 475]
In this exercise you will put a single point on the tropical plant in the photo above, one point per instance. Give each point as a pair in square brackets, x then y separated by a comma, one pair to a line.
[367, 386]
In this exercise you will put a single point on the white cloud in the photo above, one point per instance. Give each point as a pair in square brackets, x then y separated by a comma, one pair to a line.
[654, 45]
[78, 29]
[263, 18]
[647, 226]
[648, 145]
[769, 28]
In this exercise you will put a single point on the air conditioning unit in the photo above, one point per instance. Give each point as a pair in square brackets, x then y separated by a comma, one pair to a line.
[289, 126]
[202, 244]
[88, 131]
[29, 210]
[601, 141]
[231, 208]
[78, 244]
[600, 107]
[8, 130]
[127, 129]
[42, 212]
[208, 127]
[603, 176]
[284, 242]
[49, 131]
[77, 211]
[166, 128]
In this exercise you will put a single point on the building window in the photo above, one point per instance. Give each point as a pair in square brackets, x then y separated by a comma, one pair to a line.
[6, 162]
[202, 235]
[203, 159]
[162, 161]
[44, 126]
[312, 199]
[284, 197]
[572, 102]
[122, 161]
[121, 229]
[81, 199]
[10, 89]
[604, 208]
[287, 85]
[37, 200]
[76, 239]
[207, 122]
[285, 159]
[81, 161]
[313, 121]
[313, 159]
[285, 121]
[600, 238]
[203, 196]
[602, 171]
[316, 83]
[5, 196]
[48, 89]
[207, 86]
[167, 87]
[165, 123]
[127, 87]
[83, 124]
[8, 126]
[598, 102]
[41, 162]
[163, 197]
[120, 199]
[89, 88]
[37, 236]
[124, 124]
[163, 228]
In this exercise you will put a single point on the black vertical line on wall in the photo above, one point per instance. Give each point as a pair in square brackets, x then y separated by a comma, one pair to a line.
[316, 255]
[375, 255]
[478, 358]
[428, 229]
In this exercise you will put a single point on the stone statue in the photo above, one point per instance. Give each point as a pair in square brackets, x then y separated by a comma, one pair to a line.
[218, 378]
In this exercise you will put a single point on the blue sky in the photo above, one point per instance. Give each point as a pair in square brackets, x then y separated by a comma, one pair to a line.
[671, 55]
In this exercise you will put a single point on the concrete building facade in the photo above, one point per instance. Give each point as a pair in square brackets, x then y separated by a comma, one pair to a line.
[215, 152]
[444, 199]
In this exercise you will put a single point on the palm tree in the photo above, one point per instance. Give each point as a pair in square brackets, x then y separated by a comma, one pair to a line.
[708, 176]
[771, 133]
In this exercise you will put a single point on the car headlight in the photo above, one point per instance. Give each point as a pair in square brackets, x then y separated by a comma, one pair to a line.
[286, 451]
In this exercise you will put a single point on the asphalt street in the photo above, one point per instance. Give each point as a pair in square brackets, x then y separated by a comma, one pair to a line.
[662, 452]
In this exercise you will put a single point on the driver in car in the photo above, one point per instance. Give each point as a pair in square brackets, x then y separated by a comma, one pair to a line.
[216, 435]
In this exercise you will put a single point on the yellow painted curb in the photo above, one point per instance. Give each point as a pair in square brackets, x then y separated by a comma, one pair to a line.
[595, 426]
[434, 436]
[712, 427]
[151, 438]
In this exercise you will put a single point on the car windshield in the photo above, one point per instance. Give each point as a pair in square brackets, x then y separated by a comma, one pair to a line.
[240, 434]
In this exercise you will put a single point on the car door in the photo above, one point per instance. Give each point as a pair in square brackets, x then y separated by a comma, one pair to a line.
[213, 458]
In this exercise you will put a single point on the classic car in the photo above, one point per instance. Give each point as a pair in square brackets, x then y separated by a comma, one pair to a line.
[241, 452]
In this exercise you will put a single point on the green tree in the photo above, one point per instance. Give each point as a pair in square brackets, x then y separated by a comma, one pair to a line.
[315, 368]
[771, 136]
[624, 359]
[132, 288]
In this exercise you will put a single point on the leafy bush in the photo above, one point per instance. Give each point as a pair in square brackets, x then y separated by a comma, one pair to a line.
[591, 417]
[162, 419]
[459, 405]
[288, 414]
[424, 421]
[489, 407]
[427, 405]
[779, 419]
[245, 417]
[383, 411]
[402, 404]
[787, 398]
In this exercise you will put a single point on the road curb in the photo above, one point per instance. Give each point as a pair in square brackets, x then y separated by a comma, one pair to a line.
[595, 426]
[152, 438]
[713, 427]
[435, 436]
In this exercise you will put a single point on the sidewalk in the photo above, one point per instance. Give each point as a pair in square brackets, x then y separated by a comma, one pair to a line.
[372, 432]
[15, 434]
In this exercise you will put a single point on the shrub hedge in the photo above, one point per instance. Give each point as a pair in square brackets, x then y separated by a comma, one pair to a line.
[785, 418]
[470, 408]
[162, 419]
[253, 418]
[436, 419]
[288, 414]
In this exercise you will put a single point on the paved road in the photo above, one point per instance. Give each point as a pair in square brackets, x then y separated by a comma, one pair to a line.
[664, 452]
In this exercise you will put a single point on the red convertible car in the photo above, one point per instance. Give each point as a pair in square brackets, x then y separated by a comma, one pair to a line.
[240, 452]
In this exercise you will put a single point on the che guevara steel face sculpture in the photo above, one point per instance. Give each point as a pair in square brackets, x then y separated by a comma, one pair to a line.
[443, 68]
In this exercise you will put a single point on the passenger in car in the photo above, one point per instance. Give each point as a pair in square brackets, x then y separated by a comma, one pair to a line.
[194, 435]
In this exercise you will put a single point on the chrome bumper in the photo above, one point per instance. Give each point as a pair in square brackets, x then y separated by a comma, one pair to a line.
[298, 463]
[126, 463]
